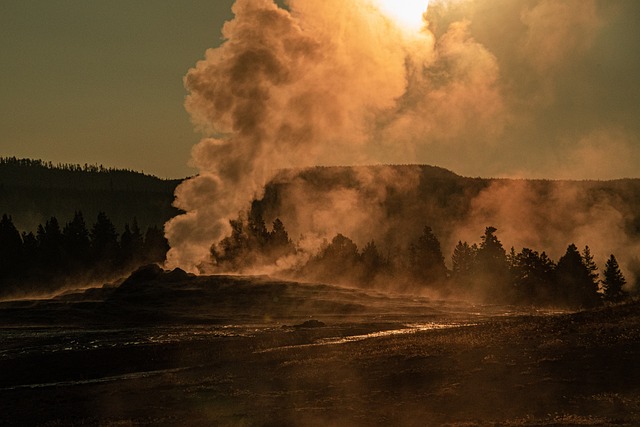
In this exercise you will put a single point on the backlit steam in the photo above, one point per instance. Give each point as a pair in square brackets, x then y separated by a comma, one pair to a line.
[335, 82]
[285, 89]
[407, 13]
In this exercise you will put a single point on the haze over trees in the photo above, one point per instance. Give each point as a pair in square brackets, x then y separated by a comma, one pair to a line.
[481, 270]
[405, 208]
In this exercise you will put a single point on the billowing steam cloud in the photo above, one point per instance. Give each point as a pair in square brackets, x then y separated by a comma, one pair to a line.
[336, 82]
[285, 89]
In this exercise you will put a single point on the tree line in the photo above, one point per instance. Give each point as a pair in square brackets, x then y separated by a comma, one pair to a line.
[57, 255]
[68, 167]
[479, 270]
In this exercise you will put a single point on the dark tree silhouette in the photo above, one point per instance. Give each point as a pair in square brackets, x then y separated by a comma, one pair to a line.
[278, 243]
[532, 275]
[75, 239]
[463, 262]
[373, 263]
[52, 257]
[614, 282]
[11, 255]
[155, 245]
[426, 260]
[131, 246]
[278, 235]
[257, 230]
[492, 268]
[574, 281]
[104, 242]
[232, 252]
[338, 262]
[342, 251]
[587, 259]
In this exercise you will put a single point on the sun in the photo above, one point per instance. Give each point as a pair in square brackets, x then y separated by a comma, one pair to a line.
[407, 14]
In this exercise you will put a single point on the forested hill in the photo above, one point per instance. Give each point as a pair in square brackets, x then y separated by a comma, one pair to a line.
[32, 191]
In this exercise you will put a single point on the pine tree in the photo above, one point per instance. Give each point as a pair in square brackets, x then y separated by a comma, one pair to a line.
[131, 244]
[587, 259]
[426, 260]
[372, 262]
[278, 243]
[575, 285]
[614, 281]
[75, 240]
[155, 246]
[11, 253]
[533, 277]
[51, 248]
[492, 267]
[463, 261]
[104, 242]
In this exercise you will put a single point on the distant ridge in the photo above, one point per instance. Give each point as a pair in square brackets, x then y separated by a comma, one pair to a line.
[32, 191]
[42, 174]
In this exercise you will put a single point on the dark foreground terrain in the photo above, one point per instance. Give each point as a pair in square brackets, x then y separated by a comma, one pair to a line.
[169, 349]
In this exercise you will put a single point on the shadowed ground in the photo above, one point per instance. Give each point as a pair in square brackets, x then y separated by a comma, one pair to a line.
[377, 360]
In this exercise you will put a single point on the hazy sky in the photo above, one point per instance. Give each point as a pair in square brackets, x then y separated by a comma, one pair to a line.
[102, 82]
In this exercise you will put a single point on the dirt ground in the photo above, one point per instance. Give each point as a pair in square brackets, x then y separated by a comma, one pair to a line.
[534, 370]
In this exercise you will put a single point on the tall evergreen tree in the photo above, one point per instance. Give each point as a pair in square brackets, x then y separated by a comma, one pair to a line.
[156, 245]
[52, 256]
[131, 244]
[492, 267]
[575, 284]
[614, 281]
[463, 262]
[587, 259]
[533, 277]
[75, 238]
[426, 260]
[104, 242]
[372, 262]
[278, 243]
[11, 254]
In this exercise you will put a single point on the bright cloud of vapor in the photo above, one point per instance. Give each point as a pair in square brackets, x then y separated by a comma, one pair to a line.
[336, 82]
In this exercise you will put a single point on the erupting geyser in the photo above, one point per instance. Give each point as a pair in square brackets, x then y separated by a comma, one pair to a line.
[347, 82]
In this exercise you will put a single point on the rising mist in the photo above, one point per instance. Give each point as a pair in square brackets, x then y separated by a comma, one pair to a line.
[335, 83]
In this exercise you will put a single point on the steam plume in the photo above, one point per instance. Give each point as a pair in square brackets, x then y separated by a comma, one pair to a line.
[335, 82]
[285, 89]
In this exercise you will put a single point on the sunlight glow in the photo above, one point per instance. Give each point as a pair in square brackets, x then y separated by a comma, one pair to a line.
[407, 14]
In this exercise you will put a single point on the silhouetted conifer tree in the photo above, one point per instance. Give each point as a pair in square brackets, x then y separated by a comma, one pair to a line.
[575, 284]
[131, 245]
[532, 274]
[231, 252]
[492, 268]
[256, 230]
[11, 255]
[426, 260]
[372, 263]
[614, 282]
[52, 257]
[104, 242]
[278, 242]
[156, 245]
[587, 259]
[338, 262]
[463, 262]
[75, 237]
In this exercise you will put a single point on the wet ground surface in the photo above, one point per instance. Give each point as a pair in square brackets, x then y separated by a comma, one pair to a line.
[372, 361]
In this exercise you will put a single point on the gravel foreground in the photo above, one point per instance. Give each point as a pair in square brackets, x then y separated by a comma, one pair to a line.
[579, 369]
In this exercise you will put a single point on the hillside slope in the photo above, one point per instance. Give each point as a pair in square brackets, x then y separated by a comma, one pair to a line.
[32, 191]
